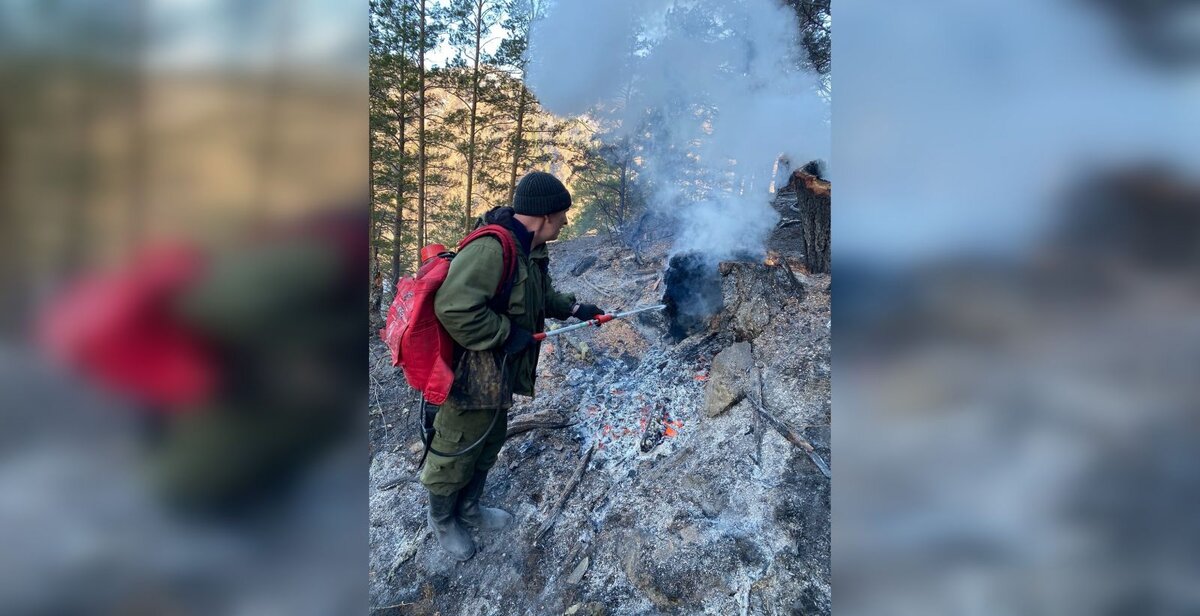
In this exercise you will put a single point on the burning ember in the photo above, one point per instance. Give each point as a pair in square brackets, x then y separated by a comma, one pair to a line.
[627, 415]
[657, 426]
[693, 294]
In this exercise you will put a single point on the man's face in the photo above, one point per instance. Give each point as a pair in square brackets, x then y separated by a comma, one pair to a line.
[554, 224]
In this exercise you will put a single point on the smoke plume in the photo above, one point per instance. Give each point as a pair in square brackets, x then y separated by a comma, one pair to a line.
[707, 94]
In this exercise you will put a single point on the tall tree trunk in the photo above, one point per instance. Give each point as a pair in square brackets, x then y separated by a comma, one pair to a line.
[371, 189]
[421, 137]
[624, 189]
[474, 115]
[518, 142]
[371, 196]
[398, 229]
[398, 219]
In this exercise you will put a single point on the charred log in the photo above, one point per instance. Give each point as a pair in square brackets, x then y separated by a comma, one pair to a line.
[583, 265]
[531, 421]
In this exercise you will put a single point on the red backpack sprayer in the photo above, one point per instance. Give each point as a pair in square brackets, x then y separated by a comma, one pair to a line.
[422, 347]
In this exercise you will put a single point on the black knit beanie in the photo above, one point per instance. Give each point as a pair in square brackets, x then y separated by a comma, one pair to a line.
[539, 193]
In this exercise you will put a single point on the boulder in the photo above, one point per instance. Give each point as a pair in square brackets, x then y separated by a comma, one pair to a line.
[728, 379]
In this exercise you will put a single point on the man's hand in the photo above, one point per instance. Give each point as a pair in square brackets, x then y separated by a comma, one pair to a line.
[587, 312]
[518, 339]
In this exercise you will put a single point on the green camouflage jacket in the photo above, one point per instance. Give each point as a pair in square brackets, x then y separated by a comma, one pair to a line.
[462, 307]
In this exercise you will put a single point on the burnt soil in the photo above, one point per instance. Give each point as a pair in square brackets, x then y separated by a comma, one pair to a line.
[677, 512]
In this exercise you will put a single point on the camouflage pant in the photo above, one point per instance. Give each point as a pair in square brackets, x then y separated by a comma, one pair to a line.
[456, 430]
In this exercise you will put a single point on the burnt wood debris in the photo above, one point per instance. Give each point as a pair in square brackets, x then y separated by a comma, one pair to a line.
[631, 495]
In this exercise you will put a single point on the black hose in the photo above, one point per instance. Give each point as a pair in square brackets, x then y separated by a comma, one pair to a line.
[428, 432]
[429, 438]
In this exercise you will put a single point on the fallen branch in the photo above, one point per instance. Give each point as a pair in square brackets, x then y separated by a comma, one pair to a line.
[533, 421]
[377, 366]
[389, 607]
[756, 423]
[795, 439]
[562, 500]
[394, 483]
[408, 550]
[608, 294]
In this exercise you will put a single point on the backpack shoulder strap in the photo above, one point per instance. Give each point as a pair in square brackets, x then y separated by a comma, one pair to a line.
[508, 248]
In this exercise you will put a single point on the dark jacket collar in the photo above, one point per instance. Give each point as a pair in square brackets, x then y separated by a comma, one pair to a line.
[524, 236]
[503, 216]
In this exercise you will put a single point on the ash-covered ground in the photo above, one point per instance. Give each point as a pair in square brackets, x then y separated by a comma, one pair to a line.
[683, 508]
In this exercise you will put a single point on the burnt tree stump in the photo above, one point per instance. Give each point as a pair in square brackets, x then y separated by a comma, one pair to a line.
[813, 196]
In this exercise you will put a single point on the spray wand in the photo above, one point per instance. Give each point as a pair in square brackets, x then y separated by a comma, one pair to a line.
[597, 322]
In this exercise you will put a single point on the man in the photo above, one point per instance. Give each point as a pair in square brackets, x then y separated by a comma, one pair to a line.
[498, 355]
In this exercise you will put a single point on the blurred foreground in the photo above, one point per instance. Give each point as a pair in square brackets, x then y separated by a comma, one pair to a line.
[1017, 313]
[185, 253]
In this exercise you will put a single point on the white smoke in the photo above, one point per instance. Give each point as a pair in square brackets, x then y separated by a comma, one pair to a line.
[710, 90]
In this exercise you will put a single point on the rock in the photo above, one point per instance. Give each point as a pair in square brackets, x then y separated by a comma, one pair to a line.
[728, 378]
[638, 573]
[583, 265]
[416, 447]
[579, 571]
[675, 577]
[574, 609]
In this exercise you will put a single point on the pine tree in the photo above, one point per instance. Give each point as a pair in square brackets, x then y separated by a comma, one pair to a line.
[471, 21]
[520, 15]
[422, 46]
[606, 186]
[393, 37]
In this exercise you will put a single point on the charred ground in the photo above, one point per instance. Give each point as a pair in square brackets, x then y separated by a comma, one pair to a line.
[688, 503]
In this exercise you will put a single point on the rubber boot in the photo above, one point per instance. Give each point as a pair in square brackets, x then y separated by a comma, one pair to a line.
[475, 517]
[450, 535]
